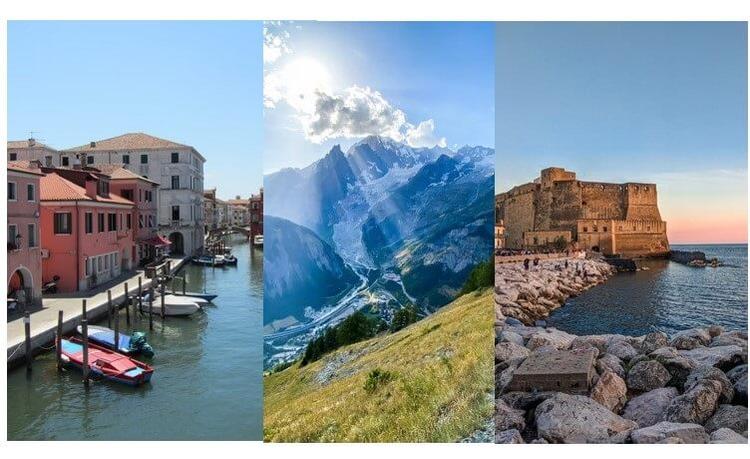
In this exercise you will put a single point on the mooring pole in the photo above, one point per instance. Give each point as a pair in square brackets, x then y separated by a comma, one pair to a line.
[127, 305]
[151, 309]
[109, 308]
[27, 341]
[85, 330]
[162, 302]
[184, 281]
[140, 295]
[117, 332]
[83, 309]
[58, 340]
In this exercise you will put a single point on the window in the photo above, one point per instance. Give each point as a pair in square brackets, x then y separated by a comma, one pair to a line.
[11, 191]
[48, 161]
[88, 267]
[604, 228]
[100, 222]
[140, 221]
[111, 222]
[175, 213]
[65, 161]
[106, 262]
[12, 235]
[175, 158]
[89, 160]
[175, 182]
[149, 196]
[102, 188]
[89, 222]
[585, 229]
[127, 194]
[144, 159]
[126, 159]
[12, 156]
[62, 223]
[128, 221]
[99, 263]
[150, 221]
[30, 192]
[32, 235]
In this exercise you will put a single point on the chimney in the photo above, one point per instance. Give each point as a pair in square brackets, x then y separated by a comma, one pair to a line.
[92, 144]
[92, 187]
[32, 141]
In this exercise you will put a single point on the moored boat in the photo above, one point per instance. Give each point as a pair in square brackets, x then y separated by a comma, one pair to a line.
[258, 240]
[105, 363]
[205, 296]
[209, 260]
[127, 344]
[173, 305]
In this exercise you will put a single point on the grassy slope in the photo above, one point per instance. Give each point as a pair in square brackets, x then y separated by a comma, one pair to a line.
[443, 368]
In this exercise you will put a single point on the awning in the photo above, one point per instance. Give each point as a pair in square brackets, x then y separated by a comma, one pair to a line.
[157, 241]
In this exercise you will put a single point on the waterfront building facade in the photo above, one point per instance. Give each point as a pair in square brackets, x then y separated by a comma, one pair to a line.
[149, 246]
[256, 213]
[87, 234]
[557, 209]
[239, 212]
[24, 275]
[177, 168]
[209, 210]
[31, 150]
[223, 215]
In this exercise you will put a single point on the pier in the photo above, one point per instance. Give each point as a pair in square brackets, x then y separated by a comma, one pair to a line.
[43, 323]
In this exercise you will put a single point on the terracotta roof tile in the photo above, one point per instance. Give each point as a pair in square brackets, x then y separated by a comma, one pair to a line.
[55, 188]
[24, 166]
[118, 172]
[25, 144]
[130, 141]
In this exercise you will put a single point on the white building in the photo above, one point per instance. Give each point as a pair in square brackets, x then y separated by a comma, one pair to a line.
[31, 150]
[239, 212]
[176, 167]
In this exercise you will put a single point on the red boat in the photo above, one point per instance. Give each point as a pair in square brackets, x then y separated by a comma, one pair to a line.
[106, 363]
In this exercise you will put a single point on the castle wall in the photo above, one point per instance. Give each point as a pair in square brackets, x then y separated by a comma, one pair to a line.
[518, 216]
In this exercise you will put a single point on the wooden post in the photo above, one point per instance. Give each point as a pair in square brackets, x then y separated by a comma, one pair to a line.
[127, 305]
[184, 281]
[109, 308]
[27, 341]
[162, 301]
[140, 295]
[151, 309]
[83, 305]
[117, 331]
[58, 340]
[85, 330]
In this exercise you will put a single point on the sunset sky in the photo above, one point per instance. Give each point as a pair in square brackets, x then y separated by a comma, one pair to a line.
[642, 102]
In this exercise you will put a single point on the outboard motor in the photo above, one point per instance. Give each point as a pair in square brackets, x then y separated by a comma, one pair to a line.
[138, 344]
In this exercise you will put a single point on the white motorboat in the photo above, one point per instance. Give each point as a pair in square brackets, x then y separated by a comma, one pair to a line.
[173, 305]
[258, 240]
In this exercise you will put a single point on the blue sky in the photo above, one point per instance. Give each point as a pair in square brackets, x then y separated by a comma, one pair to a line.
[442, 72]
[659, 102]
[198, 83]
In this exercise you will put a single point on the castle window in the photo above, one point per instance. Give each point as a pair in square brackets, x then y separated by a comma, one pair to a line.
[604, 229]
[648, 228]
[585, 229]
[619, 228]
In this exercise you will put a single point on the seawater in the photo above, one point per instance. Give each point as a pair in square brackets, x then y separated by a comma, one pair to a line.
[668, 297]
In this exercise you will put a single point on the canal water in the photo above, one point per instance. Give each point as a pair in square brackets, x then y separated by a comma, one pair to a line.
[207, 383]
[667, 297]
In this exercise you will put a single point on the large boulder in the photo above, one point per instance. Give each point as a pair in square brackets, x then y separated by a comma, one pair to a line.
[507, 418]
[565, 418]
[622, 350]
[707, 372]
[738, 377]
[725, 435]
[653, 341]
[721, 357]
[695, 405]
[690, 339]
[552, 337]
[508, 351]
[679, 367]
[609, 362]
[647, 375]
[598, 341]
[610, 391]
[511, 337]
[730, 416]
[504, 374]
[507, 437]
[649, 408]
[657, 433]
[525, 400]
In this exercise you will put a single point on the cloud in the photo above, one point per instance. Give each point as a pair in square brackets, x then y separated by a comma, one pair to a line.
[275, 42]
[423, 135]
[356, 112]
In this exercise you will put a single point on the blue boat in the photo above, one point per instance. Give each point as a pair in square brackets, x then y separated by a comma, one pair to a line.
[128, 345]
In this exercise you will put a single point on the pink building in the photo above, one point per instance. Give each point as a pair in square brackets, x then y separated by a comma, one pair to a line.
[142, 191]
[87, 231]
[24, 254]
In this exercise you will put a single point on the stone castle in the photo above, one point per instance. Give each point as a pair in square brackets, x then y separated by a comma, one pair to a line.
[609, 218]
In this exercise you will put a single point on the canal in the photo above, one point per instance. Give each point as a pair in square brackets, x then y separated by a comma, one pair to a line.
[207, 383]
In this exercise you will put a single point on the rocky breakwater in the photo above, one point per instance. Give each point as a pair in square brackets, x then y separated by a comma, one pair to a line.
[530, 295]
[555, 387]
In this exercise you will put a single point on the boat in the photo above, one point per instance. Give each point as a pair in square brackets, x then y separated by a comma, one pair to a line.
[209, 260]
[205, 296]
[258, 240]
[230, 259]
[128, 344]
[170, 298]
[105, 363]
[174, 306]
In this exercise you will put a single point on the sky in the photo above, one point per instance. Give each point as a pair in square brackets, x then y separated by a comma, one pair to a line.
[197, 83]
[649, 102]
[425, 84]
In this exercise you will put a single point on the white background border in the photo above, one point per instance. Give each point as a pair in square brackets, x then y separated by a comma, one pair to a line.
[538, 10]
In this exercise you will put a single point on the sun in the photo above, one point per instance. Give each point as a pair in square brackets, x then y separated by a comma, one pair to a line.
[303, 78]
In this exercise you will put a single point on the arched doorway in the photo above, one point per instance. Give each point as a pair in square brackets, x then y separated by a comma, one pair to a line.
[20, 286]
[178, 243]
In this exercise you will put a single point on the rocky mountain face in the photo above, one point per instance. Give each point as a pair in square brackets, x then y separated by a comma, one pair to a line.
[425, 214]
[300, 270]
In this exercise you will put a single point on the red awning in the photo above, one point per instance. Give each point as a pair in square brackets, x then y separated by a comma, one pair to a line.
[157, 241]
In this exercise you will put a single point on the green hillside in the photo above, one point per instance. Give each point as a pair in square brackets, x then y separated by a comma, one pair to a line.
[430, 382]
